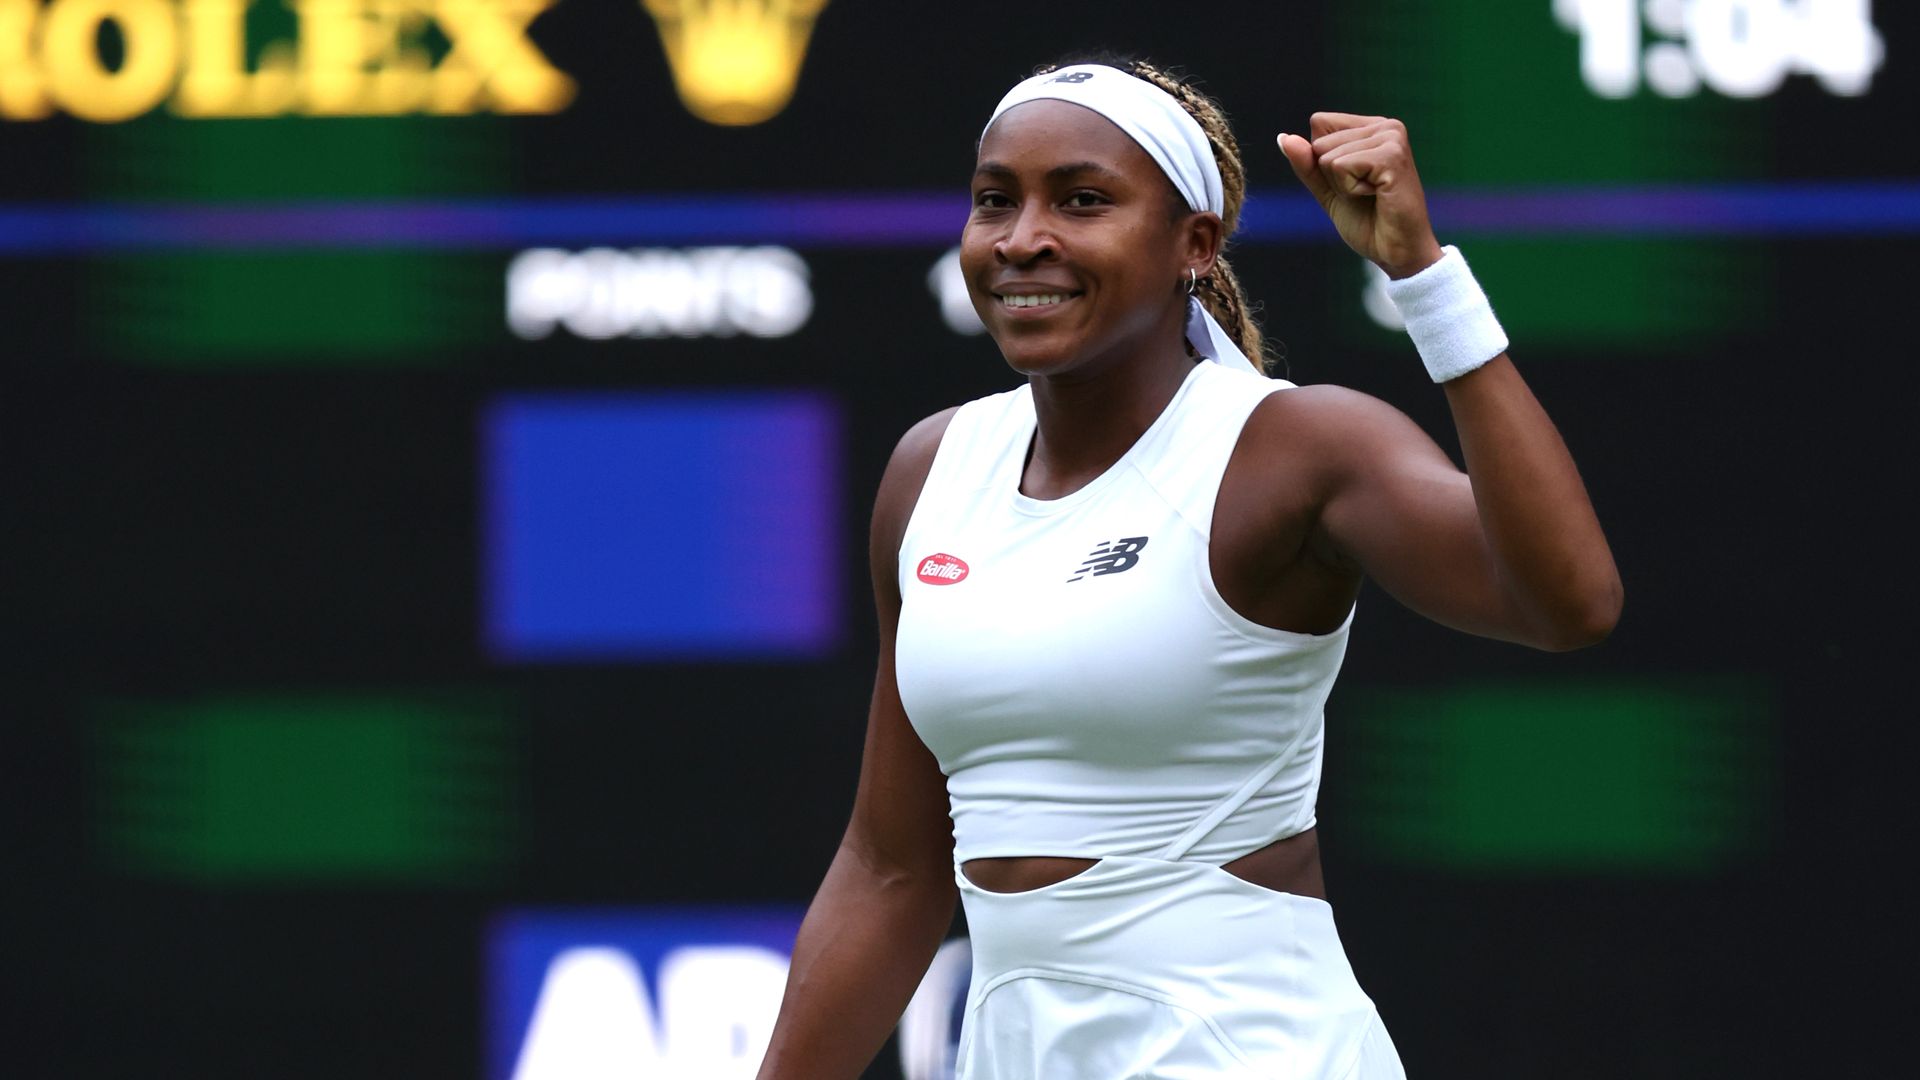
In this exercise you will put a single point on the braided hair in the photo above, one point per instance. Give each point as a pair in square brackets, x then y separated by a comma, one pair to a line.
[1220, 290]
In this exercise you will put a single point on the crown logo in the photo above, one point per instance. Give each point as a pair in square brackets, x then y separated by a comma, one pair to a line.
[735, 62]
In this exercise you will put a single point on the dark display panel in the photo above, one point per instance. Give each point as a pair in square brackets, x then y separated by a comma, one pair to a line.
[315, 737]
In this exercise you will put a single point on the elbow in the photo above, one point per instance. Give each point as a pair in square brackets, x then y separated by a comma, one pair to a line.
[902, 871]
[1588, 620]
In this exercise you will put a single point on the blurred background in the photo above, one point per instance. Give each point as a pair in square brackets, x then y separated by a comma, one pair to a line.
[439, 437]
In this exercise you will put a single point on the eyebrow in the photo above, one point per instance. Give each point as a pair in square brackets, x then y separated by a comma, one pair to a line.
[1058, 172]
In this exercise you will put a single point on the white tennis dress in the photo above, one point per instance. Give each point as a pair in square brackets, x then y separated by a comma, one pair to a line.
[1089, 694]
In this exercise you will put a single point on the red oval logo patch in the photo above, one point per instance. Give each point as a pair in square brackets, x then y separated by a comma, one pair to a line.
[942, 569]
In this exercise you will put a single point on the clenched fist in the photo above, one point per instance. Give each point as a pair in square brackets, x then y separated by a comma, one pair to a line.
[1360, 168]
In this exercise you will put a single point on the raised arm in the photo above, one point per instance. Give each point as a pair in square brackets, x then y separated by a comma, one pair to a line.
[1511, 548]
[888, 897]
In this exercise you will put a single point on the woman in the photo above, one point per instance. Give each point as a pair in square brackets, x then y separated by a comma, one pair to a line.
[1112, 603]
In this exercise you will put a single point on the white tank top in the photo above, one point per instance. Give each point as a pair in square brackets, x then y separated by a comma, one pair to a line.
[1070, 663]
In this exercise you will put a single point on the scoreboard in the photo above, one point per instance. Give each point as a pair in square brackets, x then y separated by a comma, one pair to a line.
[442, 434]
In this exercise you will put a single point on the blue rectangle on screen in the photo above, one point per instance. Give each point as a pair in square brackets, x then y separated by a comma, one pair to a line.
[661, 526]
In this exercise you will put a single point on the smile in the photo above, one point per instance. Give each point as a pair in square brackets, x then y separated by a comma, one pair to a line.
[1042, 300]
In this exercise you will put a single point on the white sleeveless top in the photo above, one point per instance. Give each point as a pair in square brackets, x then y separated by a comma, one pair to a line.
[1070, 663]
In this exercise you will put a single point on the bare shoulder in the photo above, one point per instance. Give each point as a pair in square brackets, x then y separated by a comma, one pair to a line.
[913, 455]
[1323, 411]
[1333, 426]
[916, 448]
[906, 474]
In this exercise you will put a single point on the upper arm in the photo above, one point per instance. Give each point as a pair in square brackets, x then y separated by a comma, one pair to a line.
[1401, 512]
[900, 808]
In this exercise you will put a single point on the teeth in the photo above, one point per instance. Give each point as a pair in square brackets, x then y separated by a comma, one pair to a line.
[1033, 301]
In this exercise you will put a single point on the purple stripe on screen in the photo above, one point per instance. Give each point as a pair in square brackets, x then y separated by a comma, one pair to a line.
[1731, 211]
[911, 219]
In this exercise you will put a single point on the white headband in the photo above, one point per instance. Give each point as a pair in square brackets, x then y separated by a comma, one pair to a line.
[1170, 135]
[1149, 115]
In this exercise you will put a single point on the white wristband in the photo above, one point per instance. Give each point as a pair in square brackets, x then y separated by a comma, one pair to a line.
[1448, 317]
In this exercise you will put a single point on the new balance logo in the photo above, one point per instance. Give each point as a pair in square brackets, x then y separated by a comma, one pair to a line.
[1111, 557]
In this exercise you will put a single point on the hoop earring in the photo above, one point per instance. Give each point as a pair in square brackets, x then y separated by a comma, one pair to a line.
[1193, 280]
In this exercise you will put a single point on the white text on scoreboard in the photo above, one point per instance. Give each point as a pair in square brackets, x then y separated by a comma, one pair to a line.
[1739, 48]
[607, 293]
[674, 994]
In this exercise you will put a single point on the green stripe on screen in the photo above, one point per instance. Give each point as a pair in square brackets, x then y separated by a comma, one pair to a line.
[1626, 776]
[294, 309]
[262, 789]
[161, 157]
[1618, 291]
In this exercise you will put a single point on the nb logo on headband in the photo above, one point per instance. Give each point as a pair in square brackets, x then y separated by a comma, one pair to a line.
[1075, 77]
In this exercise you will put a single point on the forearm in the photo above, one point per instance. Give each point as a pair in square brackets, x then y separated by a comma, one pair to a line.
[863, 948]
[1547, 547]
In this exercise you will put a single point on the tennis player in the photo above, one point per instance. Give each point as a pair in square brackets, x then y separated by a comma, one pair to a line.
[1113, 602]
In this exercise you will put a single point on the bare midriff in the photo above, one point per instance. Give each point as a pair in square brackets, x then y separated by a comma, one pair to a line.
[1291, 865]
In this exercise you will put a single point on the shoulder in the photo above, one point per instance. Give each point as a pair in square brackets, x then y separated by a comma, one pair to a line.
[1324, 409]
[913, 455]
[906, 474]
[966, 423]
[1331, 427]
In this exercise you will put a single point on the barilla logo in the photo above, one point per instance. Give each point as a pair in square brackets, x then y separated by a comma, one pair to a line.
[943, 569]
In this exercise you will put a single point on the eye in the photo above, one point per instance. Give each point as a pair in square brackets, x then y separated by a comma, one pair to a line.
[1083, 199]
[991, 200]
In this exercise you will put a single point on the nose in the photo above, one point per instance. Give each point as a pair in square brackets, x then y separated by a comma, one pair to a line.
[1029, 237]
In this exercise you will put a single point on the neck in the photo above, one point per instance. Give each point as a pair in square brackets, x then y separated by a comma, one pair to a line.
[1087, 420]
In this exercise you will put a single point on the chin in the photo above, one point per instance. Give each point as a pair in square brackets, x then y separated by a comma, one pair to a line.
[1036, 355]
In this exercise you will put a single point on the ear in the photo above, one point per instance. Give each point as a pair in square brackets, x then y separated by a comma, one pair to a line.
[1201, 236]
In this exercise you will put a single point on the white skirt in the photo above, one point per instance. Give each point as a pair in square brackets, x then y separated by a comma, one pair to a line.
[1148, 969]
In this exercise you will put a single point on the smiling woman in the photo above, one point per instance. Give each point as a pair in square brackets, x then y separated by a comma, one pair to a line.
[1105, 734]
[1050, 315]
[1218, 290]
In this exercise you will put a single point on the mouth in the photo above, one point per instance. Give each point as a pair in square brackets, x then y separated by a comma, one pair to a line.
[1036, 303]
